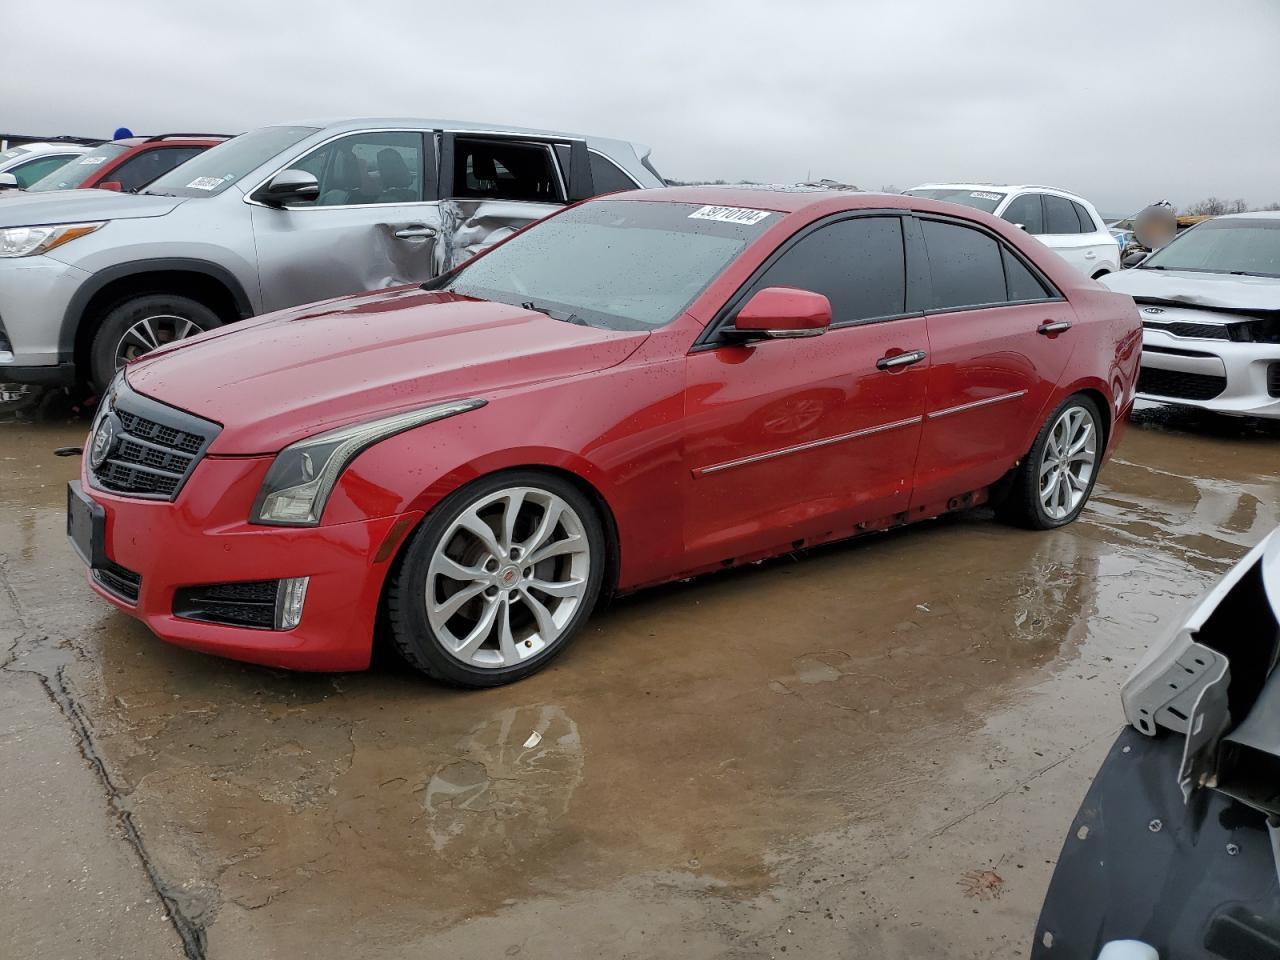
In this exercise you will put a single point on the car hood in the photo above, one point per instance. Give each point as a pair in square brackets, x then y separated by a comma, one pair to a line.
[79, 206]
[285, 376]
[1213, 291]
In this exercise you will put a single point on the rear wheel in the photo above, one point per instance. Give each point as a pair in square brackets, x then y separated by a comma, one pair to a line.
[141, 324]
[498, 580]
[1054, 481]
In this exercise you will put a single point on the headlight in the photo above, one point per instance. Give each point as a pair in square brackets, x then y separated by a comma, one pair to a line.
[303, 474]
[28, 241]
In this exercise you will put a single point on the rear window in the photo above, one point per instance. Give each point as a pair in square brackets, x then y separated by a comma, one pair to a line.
[73, 174]
[986, 200]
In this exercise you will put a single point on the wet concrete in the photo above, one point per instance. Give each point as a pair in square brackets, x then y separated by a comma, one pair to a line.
[872, 749]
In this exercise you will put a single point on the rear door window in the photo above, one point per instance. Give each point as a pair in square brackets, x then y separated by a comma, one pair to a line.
[1060, 215]
[857, 264]
[966, 266]
[1026, 210]
[505, 170]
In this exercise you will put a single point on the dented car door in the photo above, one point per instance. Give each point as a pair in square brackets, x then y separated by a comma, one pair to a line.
[374, 224]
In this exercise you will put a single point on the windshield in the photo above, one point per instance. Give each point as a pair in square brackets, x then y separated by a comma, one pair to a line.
[219, 167]
[615, 264]
[76, 172]
[967, 196]
[1249, 246]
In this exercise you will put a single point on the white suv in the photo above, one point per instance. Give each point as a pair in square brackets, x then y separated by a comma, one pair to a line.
[1067, 224]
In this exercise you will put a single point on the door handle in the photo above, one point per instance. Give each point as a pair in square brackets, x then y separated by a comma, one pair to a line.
[900, 360]
[416, 231]
[1053, 326]
[1090, 255]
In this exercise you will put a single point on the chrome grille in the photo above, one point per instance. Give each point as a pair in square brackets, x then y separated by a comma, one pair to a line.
[153, 447]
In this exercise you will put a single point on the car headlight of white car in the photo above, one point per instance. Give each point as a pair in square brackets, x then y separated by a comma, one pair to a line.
[29, 241]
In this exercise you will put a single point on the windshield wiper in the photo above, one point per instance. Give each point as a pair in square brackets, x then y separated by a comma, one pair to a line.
[562, 317]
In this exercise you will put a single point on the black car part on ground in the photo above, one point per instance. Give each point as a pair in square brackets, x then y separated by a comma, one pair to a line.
[1197, 881]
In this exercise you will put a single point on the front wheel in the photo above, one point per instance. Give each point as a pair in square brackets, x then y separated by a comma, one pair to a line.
[498, 580]
[1054, 481]
[142, 324]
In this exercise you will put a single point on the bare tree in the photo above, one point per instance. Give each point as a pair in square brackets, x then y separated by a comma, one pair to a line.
[1213, 207]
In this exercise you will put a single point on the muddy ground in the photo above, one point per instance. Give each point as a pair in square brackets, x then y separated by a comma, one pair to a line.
[869, 750]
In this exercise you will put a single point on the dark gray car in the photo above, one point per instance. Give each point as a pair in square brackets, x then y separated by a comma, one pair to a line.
[278, 216]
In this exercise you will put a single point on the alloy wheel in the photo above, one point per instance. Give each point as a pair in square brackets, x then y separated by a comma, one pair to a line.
[507, 577]
[1066, 466]
[151, 333]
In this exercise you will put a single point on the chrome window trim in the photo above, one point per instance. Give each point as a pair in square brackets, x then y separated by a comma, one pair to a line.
[802, 447]
[974, 404]
[423, 131]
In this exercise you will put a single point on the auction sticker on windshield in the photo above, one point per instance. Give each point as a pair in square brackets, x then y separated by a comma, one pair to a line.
[982, 195]
[205, 183]
[730, 214]
[92, 161]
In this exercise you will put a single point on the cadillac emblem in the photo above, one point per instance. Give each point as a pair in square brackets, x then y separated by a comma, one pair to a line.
[104, 439]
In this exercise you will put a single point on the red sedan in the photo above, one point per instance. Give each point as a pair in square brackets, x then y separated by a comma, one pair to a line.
[638, 389]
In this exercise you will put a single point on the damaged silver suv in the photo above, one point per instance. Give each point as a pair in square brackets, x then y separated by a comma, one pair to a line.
[279, 216]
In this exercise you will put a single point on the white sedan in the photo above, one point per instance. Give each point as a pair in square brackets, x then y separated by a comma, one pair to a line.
[1210, 306]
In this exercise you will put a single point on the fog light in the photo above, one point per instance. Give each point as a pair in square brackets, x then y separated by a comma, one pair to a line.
[290, 596]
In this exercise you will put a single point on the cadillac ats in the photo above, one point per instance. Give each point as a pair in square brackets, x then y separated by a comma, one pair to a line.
[636, 389]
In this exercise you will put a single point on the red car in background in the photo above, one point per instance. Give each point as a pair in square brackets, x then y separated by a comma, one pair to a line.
[640, 388]
[129, 164]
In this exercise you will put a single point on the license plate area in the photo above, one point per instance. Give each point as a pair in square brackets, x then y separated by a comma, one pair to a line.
[86, 526]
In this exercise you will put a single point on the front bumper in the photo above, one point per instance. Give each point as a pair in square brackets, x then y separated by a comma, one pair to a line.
[204, 538]
[1247, 374]
[35, 293]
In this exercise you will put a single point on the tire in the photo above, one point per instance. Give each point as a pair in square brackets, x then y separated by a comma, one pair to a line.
[139, 325]
[455, 553]
[1037, 507]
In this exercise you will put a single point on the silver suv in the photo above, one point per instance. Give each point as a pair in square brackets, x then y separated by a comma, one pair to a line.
[279, 216]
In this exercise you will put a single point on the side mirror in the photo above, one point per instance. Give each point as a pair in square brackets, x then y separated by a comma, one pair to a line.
[115, 185]
[289, 186]
[1133, 258]
[778, 313]
[8, 181]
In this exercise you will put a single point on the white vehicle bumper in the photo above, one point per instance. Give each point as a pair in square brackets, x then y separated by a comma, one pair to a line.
[1225, 376]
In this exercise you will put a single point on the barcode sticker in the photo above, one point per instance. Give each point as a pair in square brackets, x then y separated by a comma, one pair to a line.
[730, 214]
[205, 183]
[983, 195]
[92, 161]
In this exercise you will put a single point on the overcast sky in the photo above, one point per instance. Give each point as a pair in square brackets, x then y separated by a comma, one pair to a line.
[1124, 102]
